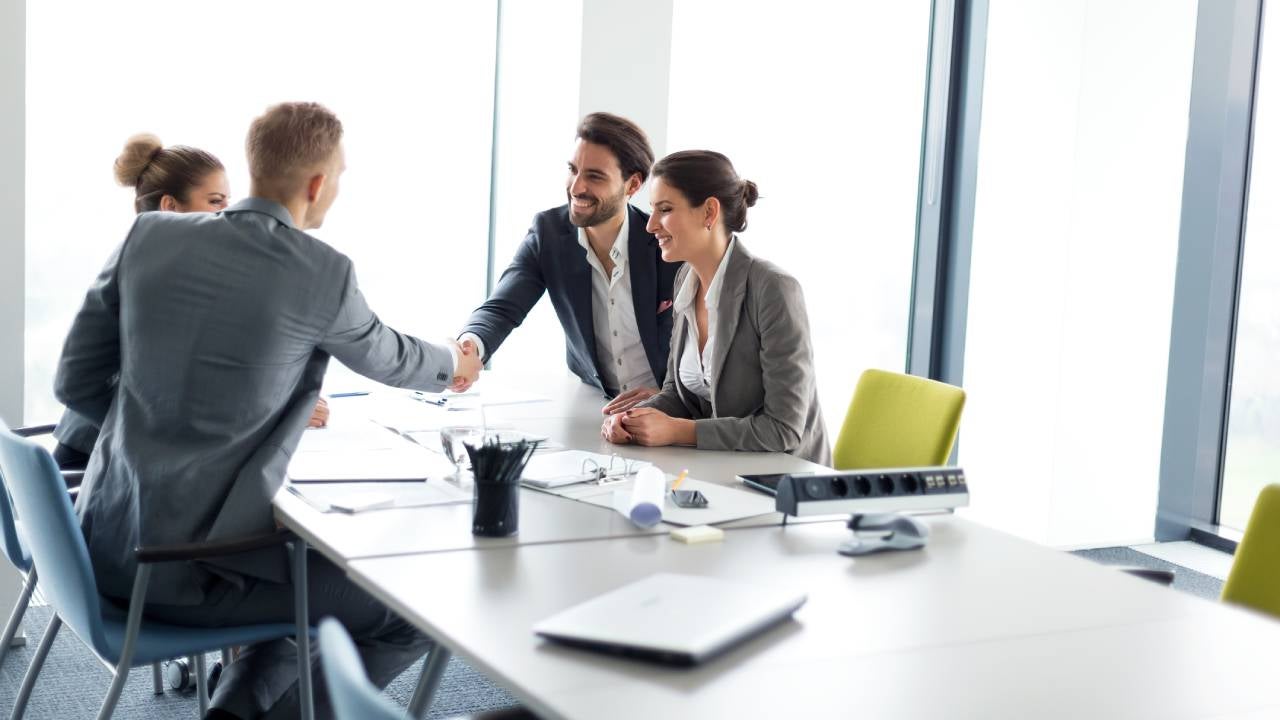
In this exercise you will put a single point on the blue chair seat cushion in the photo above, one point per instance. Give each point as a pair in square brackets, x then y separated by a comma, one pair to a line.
[159, 641]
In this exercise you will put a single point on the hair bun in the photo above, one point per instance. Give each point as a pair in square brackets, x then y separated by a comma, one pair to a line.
[138, 153]
[750, 193]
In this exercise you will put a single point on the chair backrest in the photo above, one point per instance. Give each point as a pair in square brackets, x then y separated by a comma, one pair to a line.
[897, 420]
[1254, 580]
[10, 541]
[350, 692]
[52, 534]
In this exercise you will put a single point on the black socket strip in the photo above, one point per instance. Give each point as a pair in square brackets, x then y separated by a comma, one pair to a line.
[873, 491]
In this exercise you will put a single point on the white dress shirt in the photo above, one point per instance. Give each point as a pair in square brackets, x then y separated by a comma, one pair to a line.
[695, 367]
[623, 363]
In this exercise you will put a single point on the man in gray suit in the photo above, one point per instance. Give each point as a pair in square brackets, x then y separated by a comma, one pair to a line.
[199, 351]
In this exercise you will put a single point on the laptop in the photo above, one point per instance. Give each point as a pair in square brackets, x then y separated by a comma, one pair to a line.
[672, 619]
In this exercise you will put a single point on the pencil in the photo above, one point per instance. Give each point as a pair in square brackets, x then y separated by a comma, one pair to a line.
[680, 478]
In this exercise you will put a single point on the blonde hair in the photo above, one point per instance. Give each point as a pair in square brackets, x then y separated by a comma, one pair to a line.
[154, 171]
[291, 139]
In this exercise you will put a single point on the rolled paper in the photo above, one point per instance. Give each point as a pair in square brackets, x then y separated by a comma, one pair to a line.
[643, 505]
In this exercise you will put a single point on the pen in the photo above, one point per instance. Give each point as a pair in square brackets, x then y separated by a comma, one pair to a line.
[679, 479]
[347, 394]
[438, 402]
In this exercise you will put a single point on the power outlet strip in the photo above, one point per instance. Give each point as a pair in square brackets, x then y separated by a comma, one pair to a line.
[883, 490]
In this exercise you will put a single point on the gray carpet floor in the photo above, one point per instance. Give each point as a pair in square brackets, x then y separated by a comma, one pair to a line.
[73, 684]
[1185, 579]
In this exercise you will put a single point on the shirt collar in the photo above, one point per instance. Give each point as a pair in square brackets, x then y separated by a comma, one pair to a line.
[689, 289]
[620, 245]
[266, 207]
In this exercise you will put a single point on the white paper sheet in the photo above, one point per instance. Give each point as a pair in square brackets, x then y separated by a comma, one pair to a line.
[403, 494]
[723, 503]
[405, 460]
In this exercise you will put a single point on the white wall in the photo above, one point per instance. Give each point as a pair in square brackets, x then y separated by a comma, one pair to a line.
[12, 204]
[626, 63]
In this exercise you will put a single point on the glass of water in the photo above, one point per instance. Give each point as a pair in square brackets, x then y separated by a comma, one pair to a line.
[451, 441]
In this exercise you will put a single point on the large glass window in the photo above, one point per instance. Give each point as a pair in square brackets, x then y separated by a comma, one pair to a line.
[1075, 239]
[1253, 424]
[412, 82]
[821, 105]
[538, 116]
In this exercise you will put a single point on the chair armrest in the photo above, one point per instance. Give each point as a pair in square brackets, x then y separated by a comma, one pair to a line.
[201, 551]
[1160, 577]
[33, 430]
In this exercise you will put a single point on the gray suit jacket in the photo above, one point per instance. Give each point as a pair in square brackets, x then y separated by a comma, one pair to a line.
[765, 397]
[199, 351]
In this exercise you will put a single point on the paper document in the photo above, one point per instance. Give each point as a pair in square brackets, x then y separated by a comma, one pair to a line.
[723, 503]
[576, 466]
[359, 450]
[357, 497]
[348, 434]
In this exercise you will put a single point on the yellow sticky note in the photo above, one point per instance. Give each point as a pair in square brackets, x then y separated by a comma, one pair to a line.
[697, 534]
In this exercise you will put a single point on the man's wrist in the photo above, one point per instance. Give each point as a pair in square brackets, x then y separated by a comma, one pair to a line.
[474, 339]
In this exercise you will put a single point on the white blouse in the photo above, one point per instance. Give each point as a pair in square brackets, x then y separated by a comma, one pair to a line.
[694, 367]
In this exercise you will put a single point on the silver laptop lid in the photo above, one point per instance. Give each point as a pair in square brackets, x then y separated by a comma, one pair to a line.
[680, 619]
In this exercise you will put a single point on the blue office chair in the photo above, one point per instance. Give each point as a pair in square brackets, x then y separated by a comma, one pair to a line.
[350, 692]
[16, 552]
[118, 638]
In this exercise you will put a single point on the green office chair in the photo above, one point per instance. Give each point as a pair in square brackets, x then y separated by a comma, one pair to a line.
[898, 420]
[1254, 580]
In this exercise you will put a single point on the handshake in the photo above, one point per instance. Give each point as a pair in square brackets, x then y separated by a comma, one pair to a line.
[469, 365]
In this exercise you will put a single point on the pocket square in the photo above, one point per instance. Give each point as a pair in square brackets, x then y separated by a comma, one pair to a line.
[664, 306]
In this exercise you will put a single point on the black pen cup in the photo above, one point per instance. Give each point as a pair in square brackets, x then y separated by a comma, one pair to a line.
[497, 468]
[497, 509]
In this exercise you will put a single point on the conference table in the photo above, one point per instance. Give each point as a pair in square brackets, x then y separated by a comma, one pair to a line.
[976, 624]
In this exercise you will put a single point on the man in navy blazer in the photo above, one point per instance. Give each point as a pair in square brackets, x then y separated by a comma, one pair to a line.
[607, 281]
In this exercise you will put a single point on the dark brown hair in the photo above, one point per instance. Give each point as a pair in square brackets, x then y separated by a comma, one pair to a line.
[624, 139]
[290, 139]
[700, 174]
[154, 170]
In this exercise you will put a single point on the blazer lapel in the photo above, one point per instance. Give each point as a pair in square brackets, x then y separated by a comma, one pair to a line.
[729, 309]
[642, 259]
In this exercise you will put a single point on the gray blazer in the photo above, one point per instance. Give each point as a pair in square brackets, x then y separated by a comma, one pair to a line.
[764, 397]
[199, 351]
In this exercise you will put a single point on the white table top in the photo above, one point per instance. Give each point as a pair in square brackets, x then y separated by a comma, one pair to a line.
[572, 417]
[978, 624]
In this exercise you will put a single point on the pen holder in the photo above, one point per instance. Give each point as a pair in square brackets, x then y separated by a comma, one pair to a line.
[497, 468]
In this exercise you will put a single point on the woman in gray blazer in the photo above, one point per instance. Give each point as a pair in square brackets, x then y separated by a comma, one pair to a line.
[740, 375]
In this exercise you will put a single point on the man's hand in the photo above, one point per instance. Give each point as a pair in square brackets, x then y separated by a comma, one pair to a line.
[629, 399]
[469, 366]
[320, 415]
[613, 431]
[648, 426]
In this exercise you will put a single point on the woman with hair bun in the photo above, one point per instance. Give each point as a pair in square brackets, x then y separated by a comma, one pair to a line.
[740, 375]
[177, 178]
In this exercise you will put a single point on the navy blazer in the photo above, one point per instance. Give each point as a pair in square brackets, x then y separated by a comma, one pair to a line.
[551, 260]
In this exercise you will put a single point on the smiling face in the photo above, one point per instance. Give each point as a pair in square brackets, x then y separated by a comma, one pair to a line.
[596, 189]
[209, 195]
[681, 228]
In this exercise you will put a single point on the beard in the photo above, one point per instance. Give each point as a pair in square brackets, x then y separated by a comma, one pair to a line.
[604, 210]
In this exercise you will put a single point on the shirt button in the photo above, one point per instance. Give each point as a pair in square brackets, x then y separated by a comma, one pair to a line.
[624, 387]
[610, 301]
[615, 333]
[619, 361]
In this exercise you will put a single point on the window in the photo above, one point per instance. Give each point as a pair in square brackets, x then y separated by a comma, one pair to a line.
[821, 105]
[413, 84]
[1253, 422]
[537, 119]
[1075, 239]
